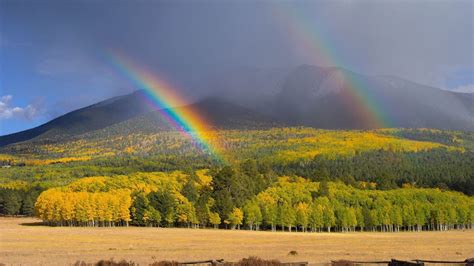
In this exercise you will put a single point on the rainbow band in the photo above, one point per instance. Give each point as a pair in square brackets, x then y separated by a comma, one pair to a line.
[311, 40]
[170, 104]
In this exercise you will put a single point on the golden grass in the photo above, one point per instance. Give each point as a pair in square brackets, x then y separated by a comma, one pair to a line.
[33, 244]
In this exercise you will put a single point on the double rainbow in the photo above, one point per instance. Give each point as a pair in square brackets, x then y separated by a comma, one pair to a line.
[173, 107]
[310, 39]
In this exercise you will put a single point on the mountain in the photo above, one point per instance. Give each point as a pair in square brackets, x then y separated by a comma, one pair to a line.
[321, 97]
[225, 114]
[133, 113]
[217, 113]
[336, 98]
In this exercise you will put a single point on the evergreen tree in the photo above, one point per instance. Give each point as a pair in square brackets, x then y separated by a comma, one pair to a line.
[28, 206]
[323, 189]
[189, 189]
[12, 203]
[165, 203]
[139, 206]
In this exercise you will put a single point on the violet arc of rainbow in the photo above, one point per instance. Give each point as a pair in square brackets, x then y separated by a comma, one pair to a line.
[170, 104]
[310, 39]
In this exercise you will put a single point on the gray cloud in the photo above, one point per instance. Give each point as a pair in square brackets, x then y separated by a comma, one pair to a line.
[69, 60]
[93, 80]
[425, 41]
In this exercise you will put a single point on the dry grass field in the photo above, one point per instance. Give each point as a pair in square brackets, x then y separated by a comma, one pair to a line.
[22, 242]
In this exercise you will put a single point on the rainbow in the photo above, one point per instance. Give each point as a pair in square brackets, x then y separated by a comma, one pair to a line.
[172, 106]
[321, 52]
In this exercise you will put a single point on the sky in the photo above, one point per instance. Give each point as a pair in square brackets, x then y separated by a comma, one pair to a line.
[54, 55]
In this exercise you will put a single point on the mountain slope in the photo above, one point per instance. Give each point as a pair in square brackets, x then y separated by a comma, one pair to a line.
[217, 113]
[97, 116]
[132, 113]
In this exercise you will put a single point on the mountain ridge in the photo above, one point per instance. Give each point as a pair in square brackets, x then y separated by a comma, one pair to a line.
[307, 95]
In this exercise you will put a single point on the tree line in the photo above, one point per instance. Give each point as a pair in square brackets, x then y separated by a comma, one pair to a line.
[250, 198]
[296, 203]
[18, 201]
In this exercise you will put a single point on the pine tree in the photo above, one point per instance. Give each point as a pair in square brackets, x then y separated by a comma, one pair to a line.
[166, 203]
[139, 206]
[12, 203]
[28, 206]
[323, 189]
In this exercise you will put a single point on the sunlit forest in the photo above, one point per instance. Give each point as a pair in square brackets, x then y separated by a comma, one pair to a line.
[293, 179]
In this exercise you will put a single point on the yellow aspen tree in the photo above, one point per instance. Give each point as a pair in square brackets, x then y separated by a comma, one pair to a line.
[214, 219]
[100, 201]
[125, 203]
[302, 215]
[115, 206]
[108, 204]
[81, 208]
[236, 217]
[41, 206]
[91, 209]
[57, 203]
[67, 207]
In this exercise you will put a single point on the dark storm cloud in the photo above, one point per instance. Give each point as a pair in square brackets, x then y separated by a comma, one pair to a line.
[63, 43]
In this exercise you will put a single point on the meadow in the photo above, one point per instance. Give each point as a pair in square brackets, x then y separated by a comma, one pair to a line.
[23, 241]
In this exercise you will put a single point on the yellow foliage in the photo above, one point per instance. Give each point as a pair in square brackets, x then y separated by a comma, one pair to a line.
[204, 179]
[61, 207]
[39, 162]
[14, 184]
[276, 144]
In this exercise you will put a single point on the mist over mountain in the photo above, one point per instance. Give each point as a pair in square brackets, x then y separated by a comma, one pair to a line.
[333, 98]
[336, 98]
[252, 87]
[321, 97]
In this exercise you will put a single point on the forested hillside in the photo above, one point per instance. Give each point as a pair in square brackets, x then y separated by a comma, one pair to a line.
[390, 158]
[269, 144]
[293, 178]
